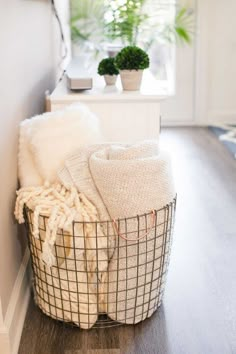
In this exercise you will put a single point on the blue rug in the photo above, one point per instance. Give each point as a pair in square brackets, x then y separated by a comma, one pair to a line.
[226, 133]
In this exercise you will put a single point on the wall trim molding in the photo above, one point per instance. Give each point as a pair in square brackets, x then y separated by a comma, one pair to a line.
[183, 123]
[212, 117]
[10, 331]
[4, 341]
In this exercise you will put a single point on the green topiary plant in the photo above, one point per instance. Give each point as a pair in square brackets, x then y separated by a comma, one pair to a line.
[132, 58]
[107, 66]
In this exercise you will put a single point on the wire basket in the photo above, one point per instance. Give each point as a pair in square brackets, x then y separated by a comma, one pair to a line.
[114, 274]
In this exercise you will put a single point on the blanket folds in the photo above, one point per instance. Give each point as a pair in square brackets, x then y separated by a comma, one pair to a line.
[124, 181]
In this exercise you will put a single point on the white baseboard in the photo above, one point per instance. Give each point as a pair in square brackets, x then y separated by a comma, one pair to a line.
[4, 341]
[179, 123]
[10, 331]
[211, 118]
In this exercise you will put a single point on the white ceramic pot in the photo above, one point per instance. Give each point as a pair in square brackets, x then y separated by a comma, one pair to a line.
[131, 79]
[110, 79]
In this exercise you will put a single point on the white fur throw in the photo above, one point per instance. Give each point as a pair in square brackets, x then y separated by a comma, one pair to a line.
[47, 140]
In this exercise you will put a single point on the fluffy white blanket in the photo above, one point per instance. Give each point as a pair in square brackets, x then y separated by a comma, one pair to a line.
[48, 139]
[45, 142]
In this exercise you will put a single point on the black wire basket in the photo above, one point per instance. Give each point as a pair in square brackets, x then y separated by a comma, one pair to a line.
[98, 283]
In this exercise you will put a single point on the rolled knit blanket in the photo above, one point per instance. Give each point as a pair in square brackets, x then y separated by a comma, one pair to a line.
[130, 181]
[76, 172]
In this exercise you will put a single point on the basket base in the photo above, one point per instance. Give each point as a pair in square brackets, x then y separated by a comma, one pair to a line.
[103, 321]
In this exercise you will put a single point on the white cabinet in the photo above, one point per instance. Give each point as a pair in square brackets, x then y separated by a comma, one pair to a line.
[125, 116]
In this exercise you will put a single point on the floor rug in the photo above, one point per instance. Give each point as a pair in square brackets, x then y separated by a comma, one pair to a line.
[226, 133]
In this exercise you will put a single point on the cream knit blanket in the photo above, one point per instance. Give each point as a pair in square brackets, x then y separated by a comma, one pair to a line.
[70, 256]
[77, 173]
[125, 181]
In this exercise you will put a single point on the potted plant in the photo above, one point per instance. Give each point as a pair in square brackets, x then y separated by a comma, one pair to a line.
[108, 69]
[131, 61]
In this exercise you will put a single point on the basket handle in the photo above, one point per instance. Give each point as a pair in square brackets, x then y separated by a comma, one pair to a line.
[134, 239]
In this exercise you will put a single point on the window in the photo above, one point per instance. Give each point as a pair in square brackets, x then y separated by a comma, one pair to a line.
[146, 23]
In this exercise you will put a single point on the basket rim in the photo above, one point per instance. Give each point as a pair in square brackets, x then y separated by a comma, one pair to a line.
[166, 206]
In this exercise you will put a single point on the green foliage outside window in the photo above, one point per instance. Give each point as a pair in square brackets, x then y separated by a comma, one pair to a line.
[128, 21]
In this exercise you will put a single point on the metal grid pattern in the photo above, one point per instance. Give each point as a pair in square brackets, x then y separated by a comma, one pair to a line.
[100, 287]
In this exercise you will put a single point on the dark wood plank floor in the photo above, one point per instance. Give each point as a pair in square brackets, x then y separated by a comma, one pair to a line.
[198, 315]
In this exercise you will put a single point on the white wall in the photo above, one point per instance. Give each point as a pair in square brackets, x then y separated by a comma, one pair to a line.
[27, 62]
[221, 61]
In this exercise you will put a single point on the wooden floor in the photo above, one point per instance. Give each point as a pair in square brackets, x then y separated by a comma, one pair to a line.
[198, 315]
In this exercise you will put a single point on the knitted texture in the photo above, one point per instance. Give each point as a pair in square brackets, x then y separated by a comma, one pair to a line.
[76, 172]
[127, 181]
[132, 180]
